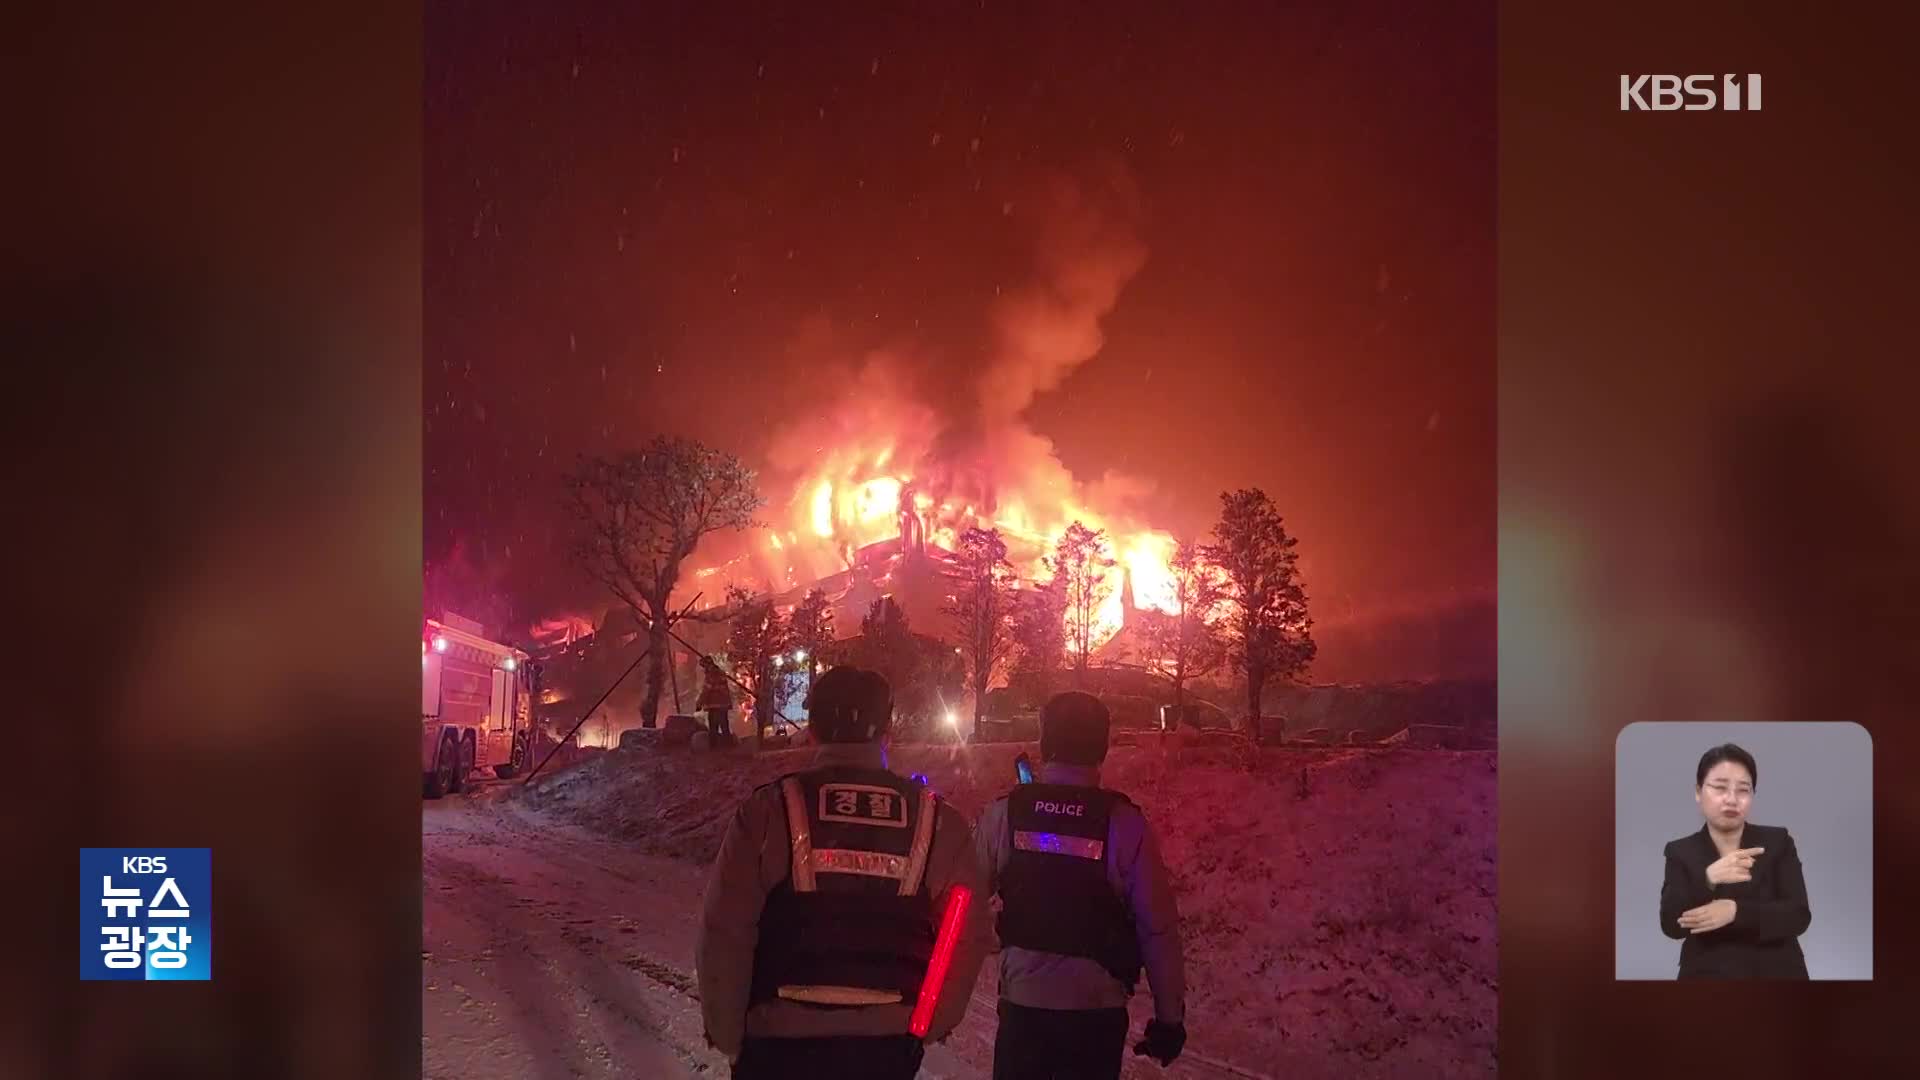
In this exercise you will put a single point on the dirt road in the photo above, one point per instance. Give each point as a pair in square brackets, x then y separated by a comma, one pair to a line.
[553, 953]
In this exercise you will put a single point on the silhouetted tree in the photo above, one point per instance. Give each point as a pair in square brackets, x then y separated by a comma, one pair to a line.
[639, 515]
[924, 672]
[757, 641]
[1270, 635]
[886, 644]
[983, 610]
[1080, 563]
[1040, 634]
[1187, 643]
[811, 627]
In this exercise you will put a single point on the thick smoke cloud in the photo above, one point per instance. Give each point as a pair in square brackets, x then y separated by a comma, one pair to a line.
[1087, 252]
[1086, 249]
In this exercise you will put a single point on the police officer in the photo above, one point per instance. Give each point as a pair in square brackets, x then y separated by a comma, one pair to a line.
[1086, 903]
[822, 907]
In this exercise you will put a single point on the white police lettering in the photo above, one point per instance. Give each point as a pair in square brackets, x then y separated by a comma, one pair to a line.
[1069, 809]
[862, 804]
[870, 863]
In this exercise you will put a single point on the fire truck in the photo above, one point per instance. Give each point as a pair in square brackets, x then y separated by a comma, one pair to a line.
[476, 705]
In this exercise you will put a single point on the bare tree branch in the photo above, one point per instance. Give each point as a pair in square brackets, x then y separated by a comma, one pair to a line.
[636, 520]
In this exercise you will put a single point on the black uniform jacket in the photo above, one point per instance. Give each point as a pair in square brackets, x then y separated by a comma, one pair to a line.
[1770, 912]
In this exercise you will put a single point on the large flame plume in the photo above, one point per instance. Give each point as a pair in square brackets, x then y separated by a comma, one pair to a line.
[878, 465]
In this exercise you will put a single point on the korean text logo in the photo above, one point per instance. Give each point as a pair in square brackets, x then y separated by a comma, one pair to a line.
[146, 913]
[1691, 93]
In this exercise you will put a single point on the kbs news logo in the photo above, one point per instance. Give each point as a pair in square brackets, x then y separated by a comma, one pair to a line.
[146, 913]
[1693, 93]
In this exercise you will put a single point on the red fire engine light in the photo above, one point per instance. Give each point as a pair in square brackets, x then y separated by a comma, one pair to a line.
[943, 946]
[439, 644]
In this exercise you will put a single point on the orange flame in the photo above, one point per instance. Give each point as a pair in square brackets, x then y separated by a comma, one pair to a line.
[853, 498]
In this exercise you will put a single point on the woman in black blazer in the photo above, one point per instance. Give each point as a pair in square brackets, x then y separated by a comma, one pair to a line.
[1734, 893]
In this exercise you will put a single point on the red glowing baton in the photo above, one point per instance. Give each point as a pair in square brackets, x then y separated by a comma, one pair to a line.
[943, 946]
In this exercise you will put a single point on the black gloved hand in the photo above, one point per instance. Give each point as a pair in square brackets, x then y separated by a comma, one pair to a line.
[1163, 1041]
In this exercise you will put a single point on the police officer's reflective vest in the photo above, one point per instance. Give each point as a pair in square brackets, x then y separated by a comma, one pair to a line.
[1054, 891]
[852, 923]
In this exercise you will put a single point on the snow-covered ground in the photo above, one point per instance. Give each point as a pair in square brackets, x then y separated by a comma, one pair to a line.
[1338, 908]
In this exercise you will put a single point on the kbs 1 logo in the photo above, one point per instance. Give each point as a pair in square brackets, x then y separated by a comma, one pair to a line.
[1691, 93]
[146, 913]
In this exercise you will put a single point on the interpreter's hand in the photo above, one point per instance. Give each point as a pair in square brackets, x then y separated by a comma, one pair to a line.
[1708, 917]
[1163, 1042]
[1733, 866]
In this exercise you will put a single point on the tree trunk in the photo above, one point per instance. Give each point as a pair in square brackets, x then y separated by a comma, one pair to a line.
[1255, 683]
[763, 691]
[977, 684]
[1179, 703]
[673, 670]
[656, 671]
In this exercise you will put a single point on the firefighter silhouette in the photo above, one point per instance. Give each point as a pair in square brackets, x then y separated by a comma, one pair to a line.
[716, 700]
[913, 538]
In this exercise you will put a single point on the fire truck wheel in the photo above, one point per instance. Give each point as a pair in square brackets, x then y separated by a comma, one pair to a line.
[465, 768]
[440, 780]
[516, 760]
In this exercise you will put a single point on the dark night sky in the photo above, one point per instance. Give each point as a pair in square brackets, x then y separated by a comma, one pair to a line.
[660, 217]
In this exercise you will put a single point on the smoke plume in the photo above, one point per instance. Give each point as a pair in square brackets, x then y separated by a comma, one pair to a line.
[1087, 252]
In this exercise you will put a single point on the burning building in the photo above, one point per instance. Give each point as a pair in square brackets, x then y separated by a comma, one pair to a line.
[872, 484]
